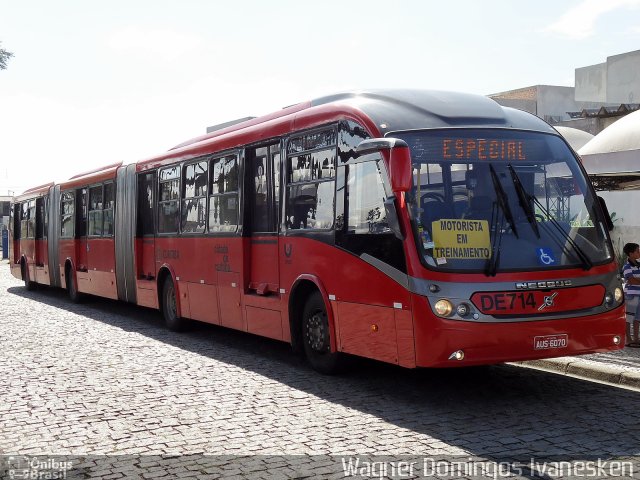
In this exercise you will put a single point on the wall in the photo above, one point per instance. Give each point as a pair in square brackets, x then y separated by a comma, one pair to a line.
[623, 78]
[591, 83]
[555, 101]
[615, 81]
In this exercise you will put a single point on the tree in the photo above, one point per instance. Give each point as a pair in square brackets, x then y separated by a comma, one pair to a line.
[4, 56]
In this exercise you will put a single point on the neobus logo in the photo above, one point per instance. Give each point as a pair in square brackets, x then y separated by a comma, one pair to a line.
[544, 284]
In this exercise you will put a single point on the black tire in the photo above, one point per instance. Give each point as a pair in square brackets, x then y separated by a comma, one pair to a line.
[72, 288]
[170, 307]
[28, 283]
[316, 337]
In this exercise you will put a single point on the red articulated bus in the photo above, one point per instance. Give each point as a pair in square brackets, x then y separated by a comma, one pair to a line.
[420, 228]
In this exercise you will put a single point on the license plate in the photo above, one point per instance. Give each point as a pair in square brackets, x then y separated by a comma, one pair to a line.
[545, 342]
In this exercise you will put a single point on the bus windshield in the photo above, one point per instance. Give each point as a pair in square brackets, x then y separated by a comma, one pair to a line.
[501, 200]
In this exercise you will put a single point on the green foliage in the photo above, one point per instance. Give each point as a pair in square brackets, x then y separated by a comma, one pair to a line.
[4, 57]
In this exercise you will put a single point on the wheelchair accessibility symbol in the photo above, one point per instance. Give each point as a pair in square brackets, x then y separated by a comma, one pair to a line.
[545, 256]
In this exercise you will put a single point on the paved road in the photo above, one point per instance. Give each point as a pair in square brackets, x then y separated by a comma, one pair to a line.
[106, 378]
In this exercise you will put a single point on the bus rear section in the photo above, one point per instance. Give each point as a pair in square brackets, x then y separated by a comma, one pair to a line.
[29, 257]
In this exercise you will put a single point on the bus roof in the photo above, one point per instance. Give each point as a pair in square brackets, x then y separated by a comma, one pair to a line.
[382, 111]
[34, 192]
[392, 110]
[100, 174]
[417, 109]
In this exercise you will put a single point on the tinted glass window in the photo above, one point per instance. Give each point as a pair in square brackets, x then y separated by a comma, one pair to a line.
[82, 197]
[32, 219]
[109, 207]
[194, 215]
[311, 170]
[168, 204]
[16, 221]
[195, 180]
[365, 200]
[45, 220]
[24, 220]
[223, 201]
[95, 210]
[145, 204]
[67, 216]
[260, 211]
[168, 217]
[194, 204]
[310, 206]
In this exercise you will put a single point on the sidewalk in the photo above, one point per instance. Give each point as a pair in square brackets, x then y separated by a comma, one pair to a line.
[620, 368]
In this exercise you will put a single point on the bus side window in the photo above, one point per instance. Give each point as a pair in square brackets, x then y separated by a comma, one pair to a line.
[109, 206]
[41, 231]
[146, 183]
[32, 219]
[367, 229]
[95, 211]
[168, 201]
[24, 220]
[361, 224]
[81, 212]
[17, 221]
[67, 218]
[311, 169]
[194, 194]
[223, 191]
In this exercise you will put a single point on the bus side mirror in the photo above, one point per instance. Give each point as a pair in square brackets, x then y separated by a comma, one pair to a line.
[399, 160]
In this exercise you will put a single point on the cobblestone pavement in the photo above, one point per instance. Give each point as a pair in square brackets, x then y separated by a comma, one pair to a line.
[106, 378]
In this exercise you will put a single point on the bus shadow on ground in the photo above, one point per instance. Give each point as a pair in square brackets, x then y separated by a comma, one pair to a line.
[501, 413]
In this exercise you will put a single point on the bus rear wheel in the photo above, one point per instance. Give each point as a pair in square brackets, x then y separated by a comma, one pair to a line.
[72, 288]
[28, 284]
[170, 307]
[316, 337]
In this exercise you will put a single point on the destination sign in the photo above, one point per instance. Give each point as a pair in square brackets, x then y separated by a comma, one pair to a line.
[482, 149]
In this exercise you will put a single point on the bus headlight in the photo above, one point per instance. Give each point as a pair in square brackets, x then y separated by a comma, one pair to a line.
[443, 307]
[617, 294]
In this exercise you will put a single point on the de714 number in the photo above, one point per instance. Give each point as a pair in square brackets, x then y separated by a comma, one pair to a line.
[508, 301]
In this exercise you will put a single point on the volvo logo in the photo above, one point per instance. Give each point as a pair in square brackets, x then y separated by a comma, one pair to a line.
[543, 284]
[548, 302]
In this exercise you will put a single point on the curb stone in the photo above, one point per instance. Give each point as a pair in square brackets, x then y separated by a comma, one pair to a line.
[577, 367]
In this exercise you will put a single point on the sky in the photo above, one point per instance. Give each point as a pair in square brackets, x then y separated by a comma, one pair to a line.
[92, 83]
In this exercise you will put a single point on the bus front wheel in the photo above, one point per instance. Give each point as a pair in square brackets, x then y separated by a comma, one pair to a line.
[316, 337]
[170, 307]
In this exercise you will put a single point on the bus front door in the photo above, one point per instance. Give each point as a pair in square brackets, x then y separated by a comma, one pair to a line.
[145, 241]
[42, 253]
[81, 241]
[262, 305]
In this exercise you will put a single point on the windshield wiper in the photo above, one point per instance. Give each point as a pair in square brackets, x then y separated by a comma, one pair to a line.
[583, 257]
[497, 224]
[524, 199]
[503, 201]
